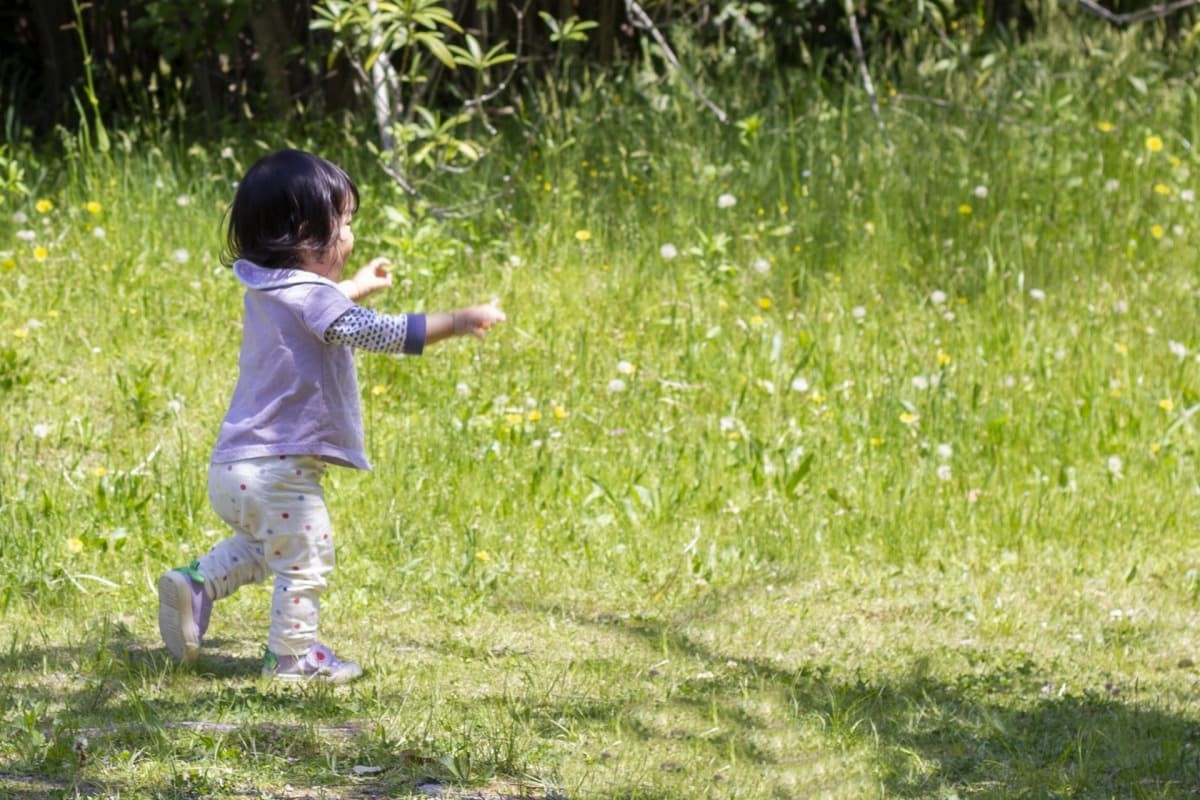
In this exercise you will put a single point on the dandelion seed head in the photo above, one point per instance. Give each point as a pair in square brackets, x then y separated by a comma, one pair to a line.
[668, 251]
[99, 232]
[945, 452]
[859, 313]
[1178, 349]
[1037, 295]
[626, 368]
[181, 255]
[41, 430]
[27, 235]
[1111, 185]
[183, 200]
[1187, 196]
[1115, 465]
[980, 191]
[726, 200]
[800, 384]
[761, 266]
[944, 472]
[937, 297]
[616, 386]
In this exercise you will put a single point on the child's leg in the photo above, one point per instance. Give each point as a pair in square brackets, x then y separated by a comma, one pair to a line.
[276, 507]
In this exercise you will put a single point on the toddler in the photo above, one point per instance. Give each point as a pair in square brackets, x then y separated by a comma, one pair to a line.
[295, 408]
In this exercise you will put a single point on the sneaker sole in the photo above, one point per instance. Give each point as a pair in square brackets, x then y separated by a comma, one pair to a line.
[175, 623]
[333, 678]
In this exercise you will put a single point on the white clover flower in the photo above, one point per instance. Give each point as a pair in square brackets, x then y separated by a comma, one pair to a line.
[1037, 295]
[800, 384]
[625, 368]
[1115, 465]
[944, 473]
[183, 200]
[1178, 350]
[26, 235]
[937, 297]
[616, 386]
[945, 452]
[181, 255]
[761, 266]
[99, 232]
[726, 201]
[668, 251]
[980, 191]
[20, 218]
[41, 430]
[859, 313]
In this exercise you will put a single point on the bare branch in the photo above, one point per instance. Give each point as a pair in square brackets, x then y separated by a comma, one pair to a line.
[866, 74]
[1157, 11]
[640, 19]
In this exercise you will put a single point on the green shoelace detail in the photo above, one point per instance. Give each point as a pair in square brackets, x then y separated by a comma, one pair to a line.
[192, 570]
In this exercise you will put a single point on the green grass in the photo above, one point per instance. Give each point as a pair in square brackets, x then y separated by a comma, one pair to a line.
[896, 496]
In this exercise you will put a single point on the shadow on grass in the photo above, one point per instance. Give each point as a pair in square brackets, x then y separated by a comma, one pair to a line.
[1000, 732]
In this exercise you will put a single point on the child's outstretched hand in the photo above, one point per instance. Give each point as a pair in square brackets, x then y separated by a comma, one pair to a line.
[476, 320]
[369, 279]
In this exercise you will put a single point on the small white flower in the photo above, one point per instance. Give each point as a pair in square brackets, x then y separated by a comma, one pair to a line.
[1115, 465]
[1187, 196]
[859, 313]
[174, 406]
[462, 390]
[181, 255]
[625, 368]
[1121, 307]
[767, 386]
[26, 235]
[616, 386]
[945, 452]
[980, 191]
[99, 232]
[1111, 185]
[227, 152]
[944, 473]
[728, 424]
[800, 384]
[668, 251]
[20, 218]
[158, 183]
[501, 401]
[514, 260]
[41, 430]
[726, 201]
[1178, 350]
[938, 297]
[1037, 295]
[761, 266]
[183, 200]
[920, 383]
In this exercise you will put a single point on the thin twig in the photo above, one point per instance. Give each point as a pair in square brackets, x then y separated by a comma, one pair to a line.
[640, 19]
[866, 74]
[1157, 11]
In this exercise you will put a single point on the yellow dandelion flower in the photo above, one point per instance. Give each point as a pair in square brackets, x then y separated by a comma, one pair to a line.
[560, 412]
[909, 418]
[512, 419]
[483, 555]
[965, 210]
[40, 253]
[9, 263]
[876, 441]
[20, 333]
[764, 303]
[1154, 448]
[583, 235]
[1104, 127]
[1122, 348]
[44, 206]
[99, 472]
[378, 390]
[1166, 404]
[92, 207]
[1174, 161]
[943, 358]
[534, 415]
[1154, 144]
[74, 545]
[1157, 231]
[756, 320]
[1162, 188]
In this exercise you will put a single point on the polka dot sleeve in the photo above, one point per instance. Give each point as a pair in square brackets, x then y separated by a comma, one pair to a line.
[380, 333]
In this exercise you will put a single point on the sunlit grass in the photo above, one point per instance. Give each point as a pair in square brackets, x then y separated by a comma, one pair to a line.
[801, 468]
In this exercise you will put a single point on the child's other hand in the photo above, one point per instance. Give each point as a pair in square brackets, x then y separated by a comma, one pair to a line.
[476, 320]
[373, 277]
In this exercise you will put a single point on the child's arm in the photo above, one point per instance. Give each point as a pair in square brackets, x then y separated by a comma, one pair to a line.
[475, 321]
[368, 280]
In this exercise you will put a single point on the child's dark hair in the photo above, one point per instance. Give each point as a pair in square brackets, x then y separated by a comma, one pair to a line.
[290, 203]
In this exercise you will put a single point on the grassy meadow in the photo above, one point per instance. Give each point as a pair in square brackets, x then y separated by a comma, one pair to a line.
[813, 460]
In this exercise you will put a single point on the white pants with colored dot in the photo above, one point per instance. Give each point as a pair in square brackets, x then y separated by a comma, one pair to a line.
[276, 508]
